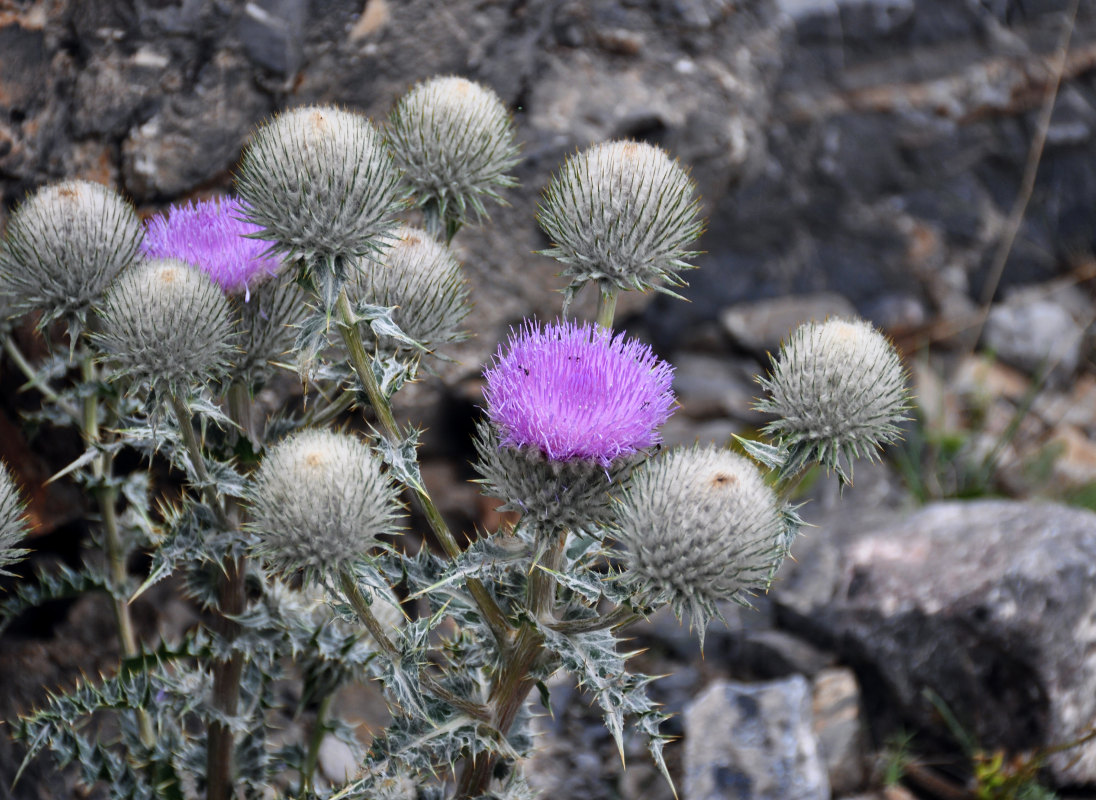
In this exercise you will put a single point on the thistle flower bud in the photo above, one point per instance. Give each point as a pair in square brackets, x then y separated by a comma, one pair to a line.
[320, 183]
[422, 278]
[320, 502]
[838, 389]
[13, 522]
[264, 325]
[700, 526]
[213, 236]
[454, 141]
[166, 324]
[621, 214]
[65, 245]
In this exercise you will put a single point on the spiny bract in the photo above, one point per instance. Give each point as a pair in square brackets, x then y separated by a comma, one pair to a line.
[320, 502]
[571, 494]
[575, 391]
[265, 329]
[422, 278]
[167, 325]
[320, 182]
[622, 214]
[13, 521]
[65, 245]
[700, 526]
[213, 236]
[838, 390]
[454, 141]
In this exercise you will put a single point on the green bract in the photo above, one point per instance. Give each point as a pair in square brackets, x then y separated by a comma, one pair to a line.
[264, 326]
[558, 495]
[320, 503]
[167, 325]
[454, 141]
[321, 183]
[838, 389]
[700, 526]
[622, 214]
[65, 245]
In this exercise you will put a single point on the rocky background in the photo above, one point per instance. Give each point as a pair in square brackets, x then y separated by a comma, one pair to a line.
[854, 156]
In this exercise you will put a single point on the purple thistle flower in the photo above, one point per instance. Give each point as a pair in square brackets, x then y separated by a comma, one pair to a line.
[576, 392]
[213, 236]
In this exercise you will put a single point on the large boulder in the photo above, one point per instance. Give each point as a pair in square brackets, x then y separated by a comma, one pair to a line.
[990, 604]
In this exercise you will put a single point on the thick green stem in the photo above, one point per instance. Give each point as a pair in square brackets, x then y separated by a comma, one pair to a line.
[220, 746]
[362, 365]
[106, 495]
[364, 613]
[232, 601]
[319, 730]
[197, 460]
[606, 306]
[514, 682]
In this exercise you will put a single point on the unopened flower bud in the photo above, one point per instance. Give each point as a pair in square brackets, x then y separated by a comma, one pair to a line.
[454, 141]
[422, 278]
[13, 521]
[700, 526]
[320, 182]
[838, 390]
[622, 214]
[65, 245]
[321, 502]
[166, 324]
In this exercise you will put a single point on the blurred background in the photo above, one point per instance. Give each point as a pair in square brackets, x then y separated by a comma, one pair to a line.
[927, 164]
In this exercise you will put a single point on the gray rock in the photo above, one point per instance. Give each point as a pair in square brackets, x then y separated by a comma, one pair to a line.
[716, 386]
[771, 653]
[989, 604]
[1035, 334]
[840, 728]
[337, 761]
[197, 135]
[272, 32]
[753, 741]
[759, 327]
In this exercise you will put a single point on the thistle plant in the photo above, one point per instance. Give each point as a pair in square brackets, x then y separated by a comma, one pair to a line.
[313, 269]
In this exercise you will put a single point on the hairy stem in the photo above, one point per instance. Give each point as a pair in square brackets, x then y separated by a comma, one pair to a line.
[606, 306]
[362, 365]
[106, 496]
[364, 613]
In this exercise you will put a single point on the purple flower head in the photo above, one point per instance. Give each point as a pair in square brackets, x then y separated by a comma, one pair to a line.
[575, 391]
[213, 236]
